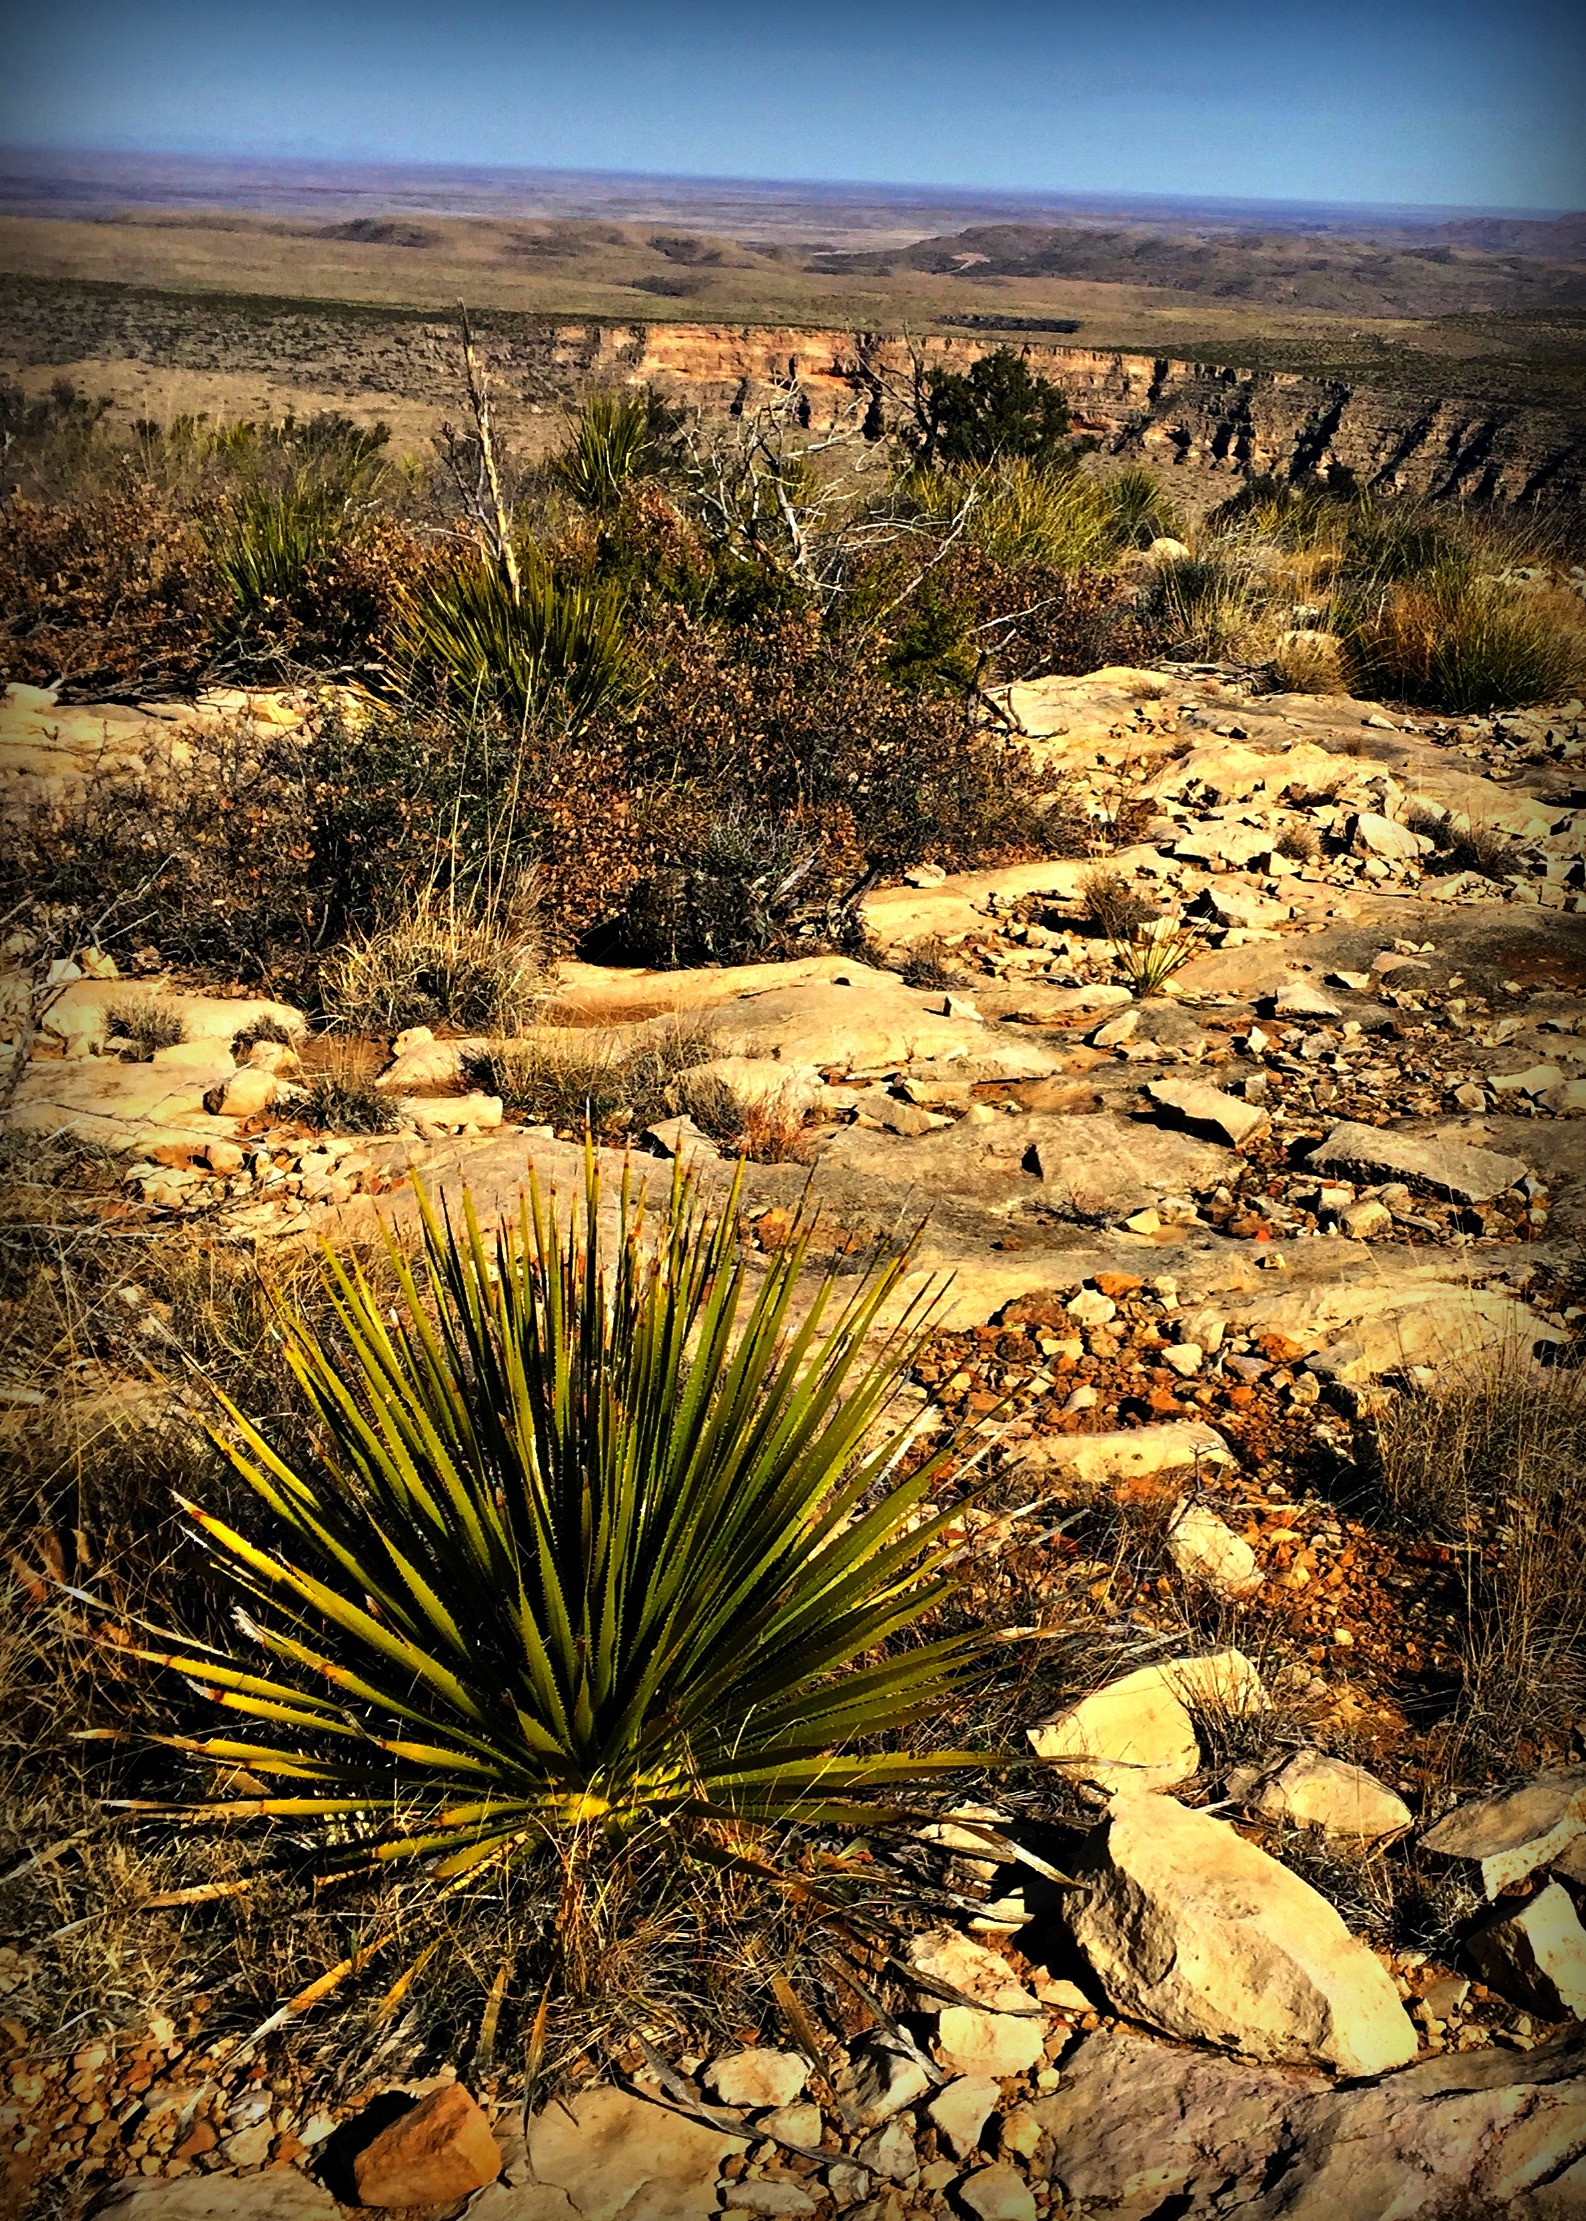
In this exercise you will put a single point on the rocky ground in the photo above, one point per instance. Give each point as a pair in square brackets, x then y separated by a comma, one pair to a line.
[1195, 1242]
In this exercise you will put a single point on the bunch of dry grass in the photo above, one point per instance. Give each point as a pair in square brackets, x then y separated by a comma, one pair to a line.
[1309, 662]
[1112, 902]
[339, 1094]
[574, 1078]
[1494, 1463]
[478, 966]
[147, 1026]
[928, 963]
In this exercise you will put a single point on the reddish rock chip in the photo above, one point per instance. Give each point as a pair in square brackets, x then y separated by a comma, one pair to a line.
[441, 2150]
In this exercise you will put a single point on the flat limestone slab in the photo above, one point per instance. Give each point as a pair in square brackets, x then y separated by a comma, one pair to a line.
[1454, 1168]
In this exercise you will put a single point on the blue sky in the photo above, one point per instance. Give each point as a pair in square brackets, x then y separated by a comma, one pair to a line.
[1475, 102]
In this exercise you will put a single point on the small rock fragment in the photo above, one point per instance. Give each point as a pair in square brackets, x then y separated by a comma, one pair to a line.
[1536, 1957]
[962, 2110]
[1205, 1549]
[1200, 1104]
[758, 2077]
[440, 2150]
[975, 2043]
[997, 2194]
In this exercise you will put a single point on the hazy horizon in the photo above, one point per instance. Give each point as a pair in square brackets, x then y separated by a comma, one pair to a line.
[279, 165]
[1460, 105]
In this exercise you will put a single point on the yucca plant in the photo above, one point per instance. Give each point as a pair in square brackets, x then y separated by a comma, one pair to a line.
[466, 635]
[274, 539]
[616, 437]
[602, 1533]
[1138, 510]
[1156, 952]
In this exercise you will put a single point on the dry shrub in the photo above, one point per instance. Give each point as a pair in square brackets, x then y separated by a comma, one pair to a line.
[1299, 841]
[564, 1080]
[1310, 663]
[438, 958]
[1113, 903]
[575, 1077]
[1494, 1462]
[114, 596]
[1471, 845]
[773, 1129]
[928, 963]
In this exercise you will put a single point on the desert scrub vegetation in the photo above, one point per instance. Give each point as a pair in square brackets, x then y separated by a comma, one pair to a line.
[708, 683]
[1493, 1463]
[581, 1538]
[477, 964]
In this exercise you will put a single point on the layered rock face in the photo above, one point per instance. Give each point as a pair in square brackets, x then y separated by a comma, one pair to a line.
[1169, 413]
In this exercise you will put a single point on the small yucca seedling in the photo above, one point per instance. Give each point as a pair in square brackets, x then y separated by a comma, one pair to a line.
[1154, 954]
[601, 1534]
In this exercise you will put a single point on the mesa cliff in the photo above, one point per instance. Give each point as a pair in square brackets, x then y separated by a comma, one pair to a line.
[1434, 441]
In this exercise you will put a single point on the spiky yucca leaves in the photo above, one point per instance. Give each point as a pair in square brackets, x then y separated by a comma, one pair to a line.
[274, 538]
[597, 1536]
[615, 438]
[465, 636]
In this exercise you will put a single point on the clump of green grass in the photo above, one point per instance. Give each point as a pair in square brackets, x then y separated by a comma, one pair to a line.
[1451, 640]
[274, 539]
[265, 1028]
[154, 1024]
[568, 1081]
[593, 1541]
[715, 1108]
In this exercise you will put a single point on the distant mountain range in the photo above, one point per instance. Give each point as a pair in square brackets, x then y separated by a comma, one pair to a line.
[95, 182]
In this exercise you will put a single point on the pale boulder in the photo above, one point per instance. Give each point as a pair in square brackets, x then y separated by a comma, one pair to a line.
[997, 2044]
[1200, 1104]
[962, 2110]
[1196, 1932]
[1132, 1454]
[1514, 1833]
[1311, 1790]
[614, 2155]
[1139, 1732]
[997, 2194]
[1374, 835]
[945, 1956]
[244, 1094]
[757, 2077]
